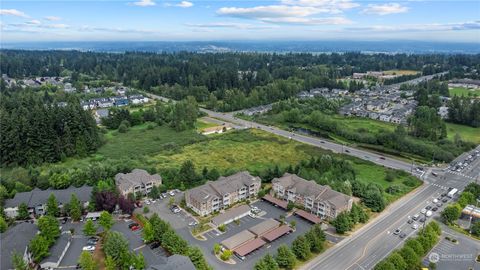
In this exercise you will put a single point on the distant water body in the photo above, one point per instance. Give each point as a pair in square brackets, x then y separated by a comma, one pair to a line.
[415, 47]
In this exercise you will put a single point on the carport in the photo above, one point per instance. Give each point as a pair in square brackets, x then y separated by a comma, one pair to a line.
[249, 247]
[277, 233]
[308, 216]
[237, 240]
[264, 227]
[231, 214]
[280, 203]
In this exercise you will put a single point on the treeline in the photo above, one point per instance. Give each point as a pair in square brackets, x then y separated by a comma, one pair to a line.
[181, 115]
[411, 254]
[34, 131]
[424, 124]
[158, 230]
[302, 249]
[402, 78]
[462, 110]
[239, 80]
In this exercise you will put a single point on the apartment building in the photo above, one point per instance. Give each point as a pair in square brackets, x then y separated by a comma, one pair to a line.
[317, 199]
[137, 182]
[216, 195]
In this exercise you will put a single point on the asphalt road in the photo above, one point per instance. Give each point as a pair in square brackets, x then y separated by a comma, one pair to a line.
[374, 241]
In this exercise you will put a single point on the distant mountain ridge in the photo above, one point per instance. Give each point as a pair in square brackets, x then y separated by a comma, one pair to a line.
[253, 46]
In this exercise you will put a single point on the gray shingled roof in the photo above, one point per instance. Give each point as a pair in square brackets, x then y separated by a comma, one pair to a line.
[231, 214]
[174, 262]
[15, 239]
[137, 176]
[222, 186]
[56, 251]
[38, 196]
[312, 189]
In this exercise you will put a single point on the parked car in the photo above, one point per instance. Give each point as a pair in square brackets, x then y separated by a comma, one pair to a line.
[88, 248]
[172, 193]
[193, 223]
[415, 217]
[434, 209]
[428, 207]
[397, 232]
[445, 200]
[64, 220]
[422, 220]
[135, 228]
[435, 200]
[414, 226]
[403, 235]
[410, 221]
[423, 211]
[176, 210]
[383, 158]
[92, 242]
[132, 225]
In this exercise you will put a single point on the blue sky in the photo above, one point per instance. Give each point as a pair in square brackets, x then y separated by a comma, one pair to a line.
[186, 20]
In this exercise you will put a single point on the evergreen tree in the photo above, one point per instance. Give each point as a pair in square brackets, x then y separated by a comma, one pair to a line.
[301, 248]
[23, 211]
[285, 257]
[89, 229]
[106, 220]
[75, 208]
[52, 206]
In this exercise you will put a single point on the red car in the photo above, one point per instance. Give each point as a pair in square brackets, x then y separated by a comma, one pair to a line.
[134, 228]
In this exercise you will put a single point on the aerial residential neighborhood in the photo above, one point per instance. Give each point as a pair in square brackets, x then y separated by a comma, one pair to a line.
[246, 135]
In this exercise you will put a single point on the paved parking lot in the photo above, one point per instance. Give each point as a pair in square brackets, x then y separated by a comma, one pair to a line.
[448, 255]
[180, 223]
[134, 237]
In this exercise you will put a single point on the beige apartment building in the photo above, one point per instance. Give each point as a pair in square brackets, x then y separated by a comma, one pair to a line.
[226, 191]
[137, 182]
[317, 199]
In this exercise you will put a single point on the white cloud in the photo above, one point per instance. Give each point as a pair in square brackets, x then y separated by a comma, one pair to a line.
[335, 6]
[229, 25]
[473, 25]
[266, 12]
[52, 18]
[87, 28]
[13, 12]
[293, 11]
[385, 9]
[185, 4]
[144, 3]
[310, 21]
[33, 22]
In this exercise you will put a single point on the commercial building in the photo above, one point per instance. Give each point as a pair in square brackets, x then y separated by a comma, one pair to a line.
[137, 182]
[36, 199]
[226, 191]
[316, 199]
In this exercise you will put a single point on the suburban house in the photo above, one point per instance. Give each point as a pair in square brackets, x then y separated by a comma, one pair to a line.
[317, 199]
[137, 182]
[36, 199]
[16, 240]
[138, 99]
[226, 191]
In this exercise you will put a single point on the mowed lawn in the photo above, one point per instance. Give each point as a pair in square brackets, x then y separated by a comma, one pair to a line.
[467, 133]
[462, 91]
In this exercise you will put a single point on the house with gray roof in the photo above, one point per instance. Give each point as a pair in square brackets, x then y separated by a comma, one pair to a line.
[37, 199]
[137, 182]
[16, 240]
[226, 191]
[317, 199]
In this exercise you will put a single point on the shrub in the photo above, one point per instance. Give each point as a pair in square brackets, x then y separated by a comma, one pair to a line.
[226, 255]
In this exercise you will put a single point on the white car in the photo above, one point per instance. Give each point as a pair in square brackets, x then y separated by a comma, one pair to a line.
[172, 193]
[414, 226]
[423, 211]
[176, 210]
[147, 202]
[193, 223]
[429, 213]
[435, 201]
[88, 248]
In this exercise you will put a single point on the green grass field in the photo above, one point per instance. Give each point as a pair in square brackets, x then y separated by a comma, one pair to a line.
[461, 91]
[467, 133]
[141, 140]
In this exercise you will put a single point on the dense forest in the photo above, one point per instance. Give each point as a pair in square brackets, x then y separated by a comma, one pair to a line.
[34, 130]
[227, 81]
